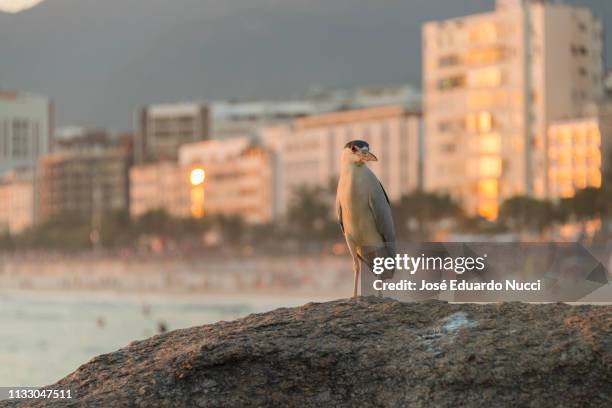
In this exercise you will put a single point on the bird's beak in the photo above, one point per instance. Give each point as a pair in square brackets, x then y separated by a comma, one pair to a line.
[367, 156]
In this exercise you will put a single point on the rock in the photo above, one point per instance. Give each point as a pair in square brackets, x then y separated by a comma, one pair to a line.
[368, 352]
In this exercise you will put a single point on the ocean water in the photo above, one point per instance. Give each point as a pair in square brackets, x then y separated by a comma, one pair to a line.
[45, 336]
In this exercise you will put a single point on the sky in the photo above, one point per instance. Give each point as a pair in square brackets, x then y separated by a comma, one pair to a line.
[101, 60]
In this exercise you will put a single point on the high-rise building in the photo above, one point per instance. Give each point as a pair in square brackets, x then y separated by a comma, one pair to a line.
[162, 129]
[82, 184]
[492, 83]
[26, 129]
[309, 149]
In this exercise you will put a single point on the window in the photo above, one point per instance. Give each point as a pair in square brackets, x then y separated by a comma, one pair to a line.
[483, 33]
[451, 125]
[444, 126]
[481, 122]
[448, 61]
[579, 50]
[488, 209]
[448, 148]
[486, 77]
[453, 82]
[488, 188]
[490, 144]
[488, 55]
[20, 139]
[490, 166]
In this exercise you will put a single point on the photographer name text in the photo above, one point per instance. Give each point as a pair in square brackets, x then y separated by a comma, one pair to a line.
[457, 285]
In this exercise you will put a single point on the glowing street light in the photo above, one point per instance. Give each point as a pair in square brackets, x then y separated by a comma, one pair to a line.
[197, 177]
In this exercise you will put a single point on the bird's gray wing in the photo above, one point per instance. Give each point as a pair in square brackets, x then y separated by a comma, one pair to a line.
[339, 211]
[381, 210]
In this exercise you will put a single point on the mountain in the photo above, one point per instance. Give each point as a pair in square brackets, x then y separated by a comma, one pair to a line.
[100, 60]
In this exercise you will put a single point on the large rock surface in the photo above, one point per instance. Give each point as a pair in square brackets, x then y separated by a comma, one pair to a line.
[368, 352]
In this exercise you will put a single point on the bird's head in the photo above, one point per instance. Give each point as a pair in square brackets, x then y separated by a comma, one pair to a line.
[358, 152]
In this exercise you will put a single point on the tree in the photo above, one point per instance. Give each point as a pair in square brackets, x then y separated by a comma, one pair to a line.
[310, 213]
[232, 227]
[157, 222]
[522, 213]
[69, 232]
[424, 209]
[587, 204]
[116, 229]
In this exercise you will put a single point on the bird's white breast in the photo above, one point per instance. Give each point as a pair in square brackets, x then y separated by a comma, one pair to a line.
[354, 189]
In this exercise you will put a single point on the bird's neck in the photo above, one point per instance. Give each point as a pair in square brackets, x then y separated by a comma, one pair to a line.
[349, 167]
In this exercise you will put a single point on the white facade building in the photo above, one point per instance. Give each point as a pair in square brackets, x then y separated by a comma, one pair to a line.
[26, 129]
[309, 149]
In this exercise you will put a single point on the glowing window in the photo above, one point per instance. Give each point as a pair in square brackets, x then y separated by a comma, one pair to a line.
[488, 188]
[481, 122]
[490, 144]
[594, 136]
[479, 100]
[490, 166]
[486, 77]
[595, 178]
[485, 121]
[483, 33]
[488, 55]
[488, 209]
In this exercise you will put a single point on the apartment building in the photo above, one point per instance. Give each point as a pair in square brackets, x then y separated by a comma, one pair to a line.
[82, 184]
[239, 177]
[26, 129]
[579, 152]
[163, 128]
[160, 186]
[493, 83]
[231, 177]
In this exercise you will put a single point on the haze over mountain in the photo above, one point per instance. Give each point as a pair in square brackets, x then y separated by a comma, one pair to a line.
[100, 60]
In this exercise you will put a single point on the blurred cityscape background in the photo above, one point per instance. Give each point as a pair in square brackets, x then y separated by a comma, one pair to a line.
[507, 137]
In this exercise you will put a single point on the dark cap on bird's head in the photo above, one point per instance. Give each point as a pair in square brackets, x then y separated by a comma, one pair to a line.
[360, 144]
[362, 149]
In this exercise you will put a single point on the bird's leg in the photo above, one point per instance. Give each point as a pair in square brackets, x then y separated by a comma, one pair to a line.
[356, 270]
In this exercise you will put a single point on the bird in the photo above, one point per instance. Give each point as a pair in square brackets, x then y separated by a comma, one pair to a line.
[364, 210]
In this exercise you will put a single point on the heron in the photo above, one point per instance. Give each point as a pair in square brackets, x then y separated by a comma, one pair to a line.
[364, 210]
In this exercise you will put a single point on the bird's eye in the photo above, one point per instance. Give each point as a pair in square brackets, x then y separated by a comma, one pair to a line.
[354, 149]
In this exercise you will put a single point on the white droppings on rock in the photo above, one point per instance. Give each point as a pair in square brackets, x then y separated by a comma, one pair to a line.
[457, 321]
